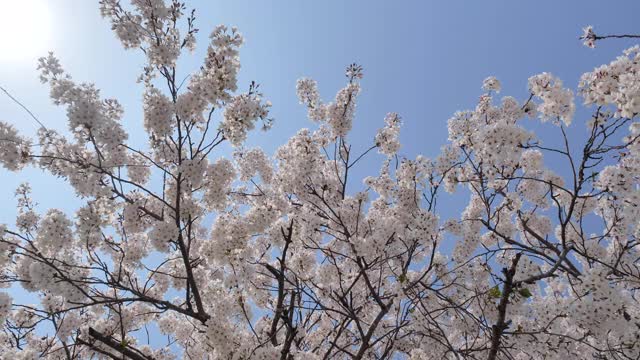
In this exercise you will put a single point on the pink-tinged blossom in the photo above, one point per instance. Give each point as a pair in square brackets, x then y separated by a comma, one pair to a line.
[589, 37]
[491, 84]
[5, 306]
[14, 149]
[309, 96]
[557, 102]
[616, 83]
[158, 113]
[341, 111]
[240, 116]
[387, 138]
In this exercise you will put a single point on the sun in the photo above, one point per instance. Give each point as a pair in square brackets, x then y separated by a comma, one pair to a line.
[25, 31]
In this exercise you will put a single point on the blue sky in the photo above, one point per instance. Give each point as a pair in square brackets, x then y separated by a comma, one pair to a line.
[422, 59]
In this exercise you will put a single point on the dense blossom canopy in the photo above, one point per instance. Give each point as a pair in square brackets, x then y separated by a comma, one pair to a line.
[261, 256]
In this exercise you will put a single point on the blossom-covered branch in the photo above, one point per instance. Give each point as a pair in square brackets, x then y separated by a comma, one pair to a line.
[290, 255]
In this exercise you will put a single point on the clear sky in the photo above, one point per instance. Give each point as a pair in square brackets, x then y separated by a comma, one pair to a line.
[422, 59]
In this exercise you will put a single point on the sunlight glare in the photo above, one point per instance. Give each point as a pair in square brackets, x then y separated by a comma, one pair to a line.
[24, 29]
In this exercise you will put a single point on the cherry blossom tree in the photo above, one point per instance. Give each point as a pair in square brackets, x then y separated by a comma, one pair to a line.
[299, 265]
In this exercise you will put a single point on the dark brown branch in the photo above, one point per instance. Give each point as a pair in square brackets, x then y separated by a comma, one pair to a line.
[120, 347]
[502, 324]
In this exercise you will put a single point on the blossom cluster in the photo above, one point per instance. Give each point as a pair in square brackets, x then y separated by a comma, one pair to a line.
[240, 116]
[616, 83]
[557, 102]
